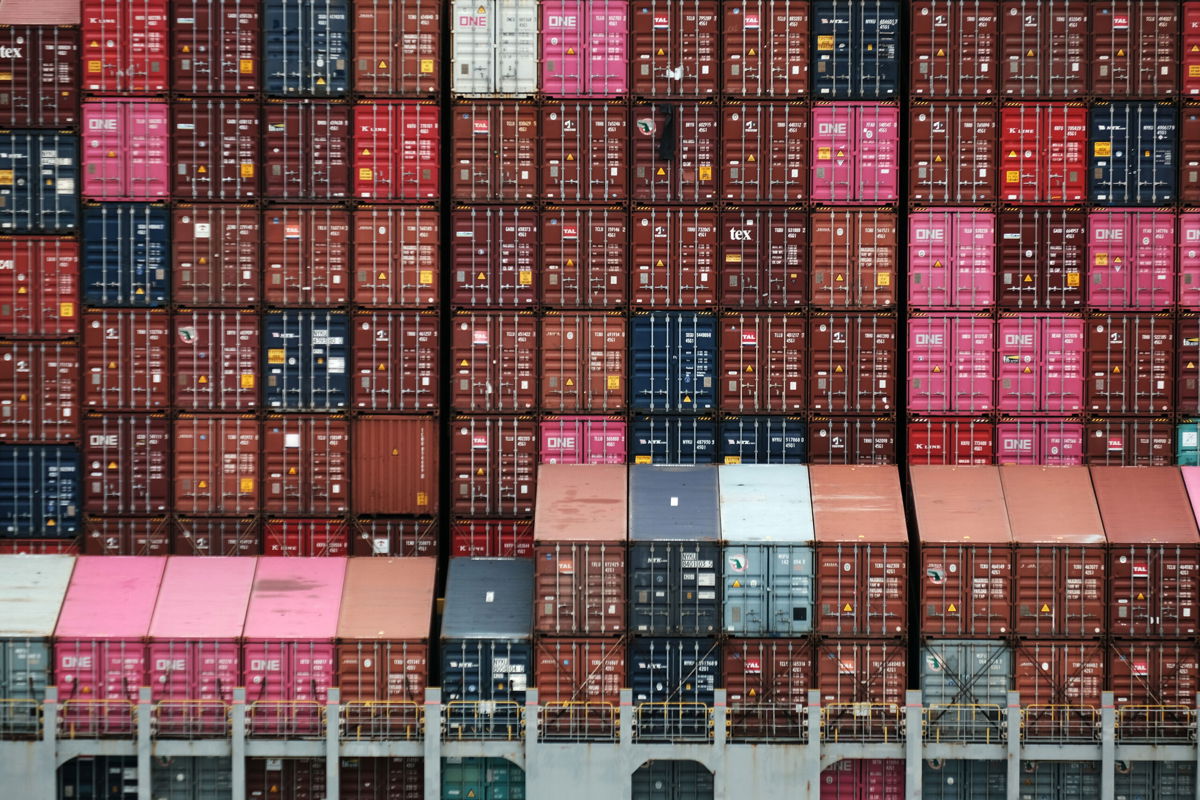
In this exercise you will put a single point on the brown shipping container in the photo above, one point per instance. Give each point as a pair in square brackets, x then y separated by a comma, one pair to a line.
[766, 47]
[861, 550]
[952, 153]
[1187, 365]
[496, 361]
[395, 468]
[954, 48]
[396, 358]
[966, 551]
[1060, 580]
[215, 257]
[1130, 363]
[675, 48]
[1129, 442]
[1043, 256]
[39, 392]
[1189, 154]
[764, 258]
[397, 47]
[1154, 551]
[675, 154]
[216, 464]
[305, 464]
[215, 46]
[491, 538]
[1134, 48]
[855, 258]
[852, 672]
[494, 153]
[763, 362]
[306, 538]
[126, 536]
[215, 149]
[217, 360]
[395, 537]
[126, 464]
[382, 778]
[216, 537]
[852, 440]
[285, 778]
[306, 150]
[1043, 48]
[583, 364]
[127, 358]
[306, 250]
[579, 550]
[852, 363]
[493, 466]
[494, 256]
[585, 152]
[674, 257]
[397, 256]
[764, 153]
[570, 673]
[1063, 680]
[767, 683]
[1160, 677]
[39, 76]
[584, 258]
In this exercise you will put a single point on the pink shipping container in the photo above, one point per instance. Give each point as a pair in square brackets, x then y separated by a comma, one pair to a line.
[494, 256]
[951, 363]
[585, 47]
[126, 149]
[39, 286]
[396, 256]
[397, 151]
[306, 252]
[855, 151]
[217, 360]
[127, 358]
[125, 46]
[1041, 364]
[1049, 442]
[583, 440]
[39, 392]
[289, 661]
[1189, 258]
[1131, 259]
[306, 538]
[863, 779]
[951, 259]
[100, 641]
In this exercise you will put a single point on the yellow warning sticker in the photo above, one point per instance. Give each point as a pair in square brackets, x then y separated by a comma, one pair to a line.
[246, 485]
[706, 173]
[422, 498]
[847, 607]
[1103, 149]
[642, 460]
[613, 383]
[247, 380]
[426, 66]
[1045, 608]
[1012, 176]
[6, 177]
[1101, 259]
[824, 42]
[275, 356]
[112, 465]
[733, 459]
[883, 279]
[1194, 70]
[425, 277]
[66, 309]
[247, 170]
[1073, 279]
[824, 153]
[366, 174]
[953, 609]
[661, 171]
[246, 66]
[94, 66]
[525, 277]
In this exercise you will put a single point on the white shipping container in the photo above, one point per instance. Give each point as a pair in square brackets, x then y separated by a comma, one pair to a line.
[495, 48]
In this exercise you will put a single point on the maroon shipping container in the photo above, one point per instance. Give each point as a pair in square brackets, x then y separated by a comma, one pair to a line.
[1189, 140]
[217, 360]
[855, 258]
[951, 441]
[954, 48]
[306, 252]
[1129, 442]
[585, 151]
[863, 779]
[39, 286]
[952, 152]
[1190, 55]
[215, 149]
[966, 551]
[16, 547]
[496, 361]
[1063, 682]
[215, 256]
[1133, 48]
[583, 361]
[766, 47]
[764, 258]
[216, 537]
[127, 358]
[494, 256]
[481, 538]
[397, 256]
[1187, 365]
[674, 257]
[675, 153]
[395, 361]
[285, 778]
[852, 440]
[397, 47]
[1163, 676]
[1041, 363]
[579, 685]
[1043, 48]
[125, 46]
[766, 683]
[126, 465]
[1043, 153]
[1052, 442]
[764, 152]
[493, 463]
[126, 536]
[216, 47]
[494, 151]
[216, 464]
[306, 538]
[852, 363]
[1043, 258]
[395, 537]
[395, 468]
[306, 150]
[306, 462]
[39, 392]
[584, 257]
[851, 672]
[1130, 363]
[397, 150]
[39, 76]
[675, 48]
[383, 778]
[763, 363]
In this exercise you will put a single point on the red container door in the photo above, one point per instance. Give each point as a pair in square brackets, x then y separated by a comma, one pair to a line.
[396, 360]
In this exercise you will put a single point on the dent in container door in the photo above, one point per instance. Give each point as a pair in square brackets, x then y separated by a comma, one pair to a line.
[306, 147]
[852, 440]
[585, 151]
[305, 538]
[585, 48]
[682, 440]
[858, 47]
[40, 491]
[584, 257]
[126, 459]
[306, 47]
[126, 536]
[397, 256]
[675, 48]
[39, 392]
[582, 440]
[39, 76]
[1041, 364]
[855, 153]
[1131, 259]
[217, 360]
[675, 153]
[491, 539]
[1044, 48]
[951, 258]
[674, 257]
[1134, 49]
[125, 46]
[395, 537]
[125, 255]
[763, 363]
[494, 47]
[953, 440]
[397, 47]
[215, 259]
[952, 149]
[40, 172]
[1133, 160]
[764, 257]
[673, 359]
[493, 469]
[395, 465]
[306, 359]
[215, 47]
[496, 361]
[1043, 153]
[127, 356]
[855, 258]
[39, 286]
[216, 537]
[215, 149]
[397, 152]
[852, 363]
[764, 153]
[1130, 364]
[216, 464]
[306, 463]
[494, 256]
[306, 250]
[396, 360]
[583, 364]
[1043, 258]
[763, 440]
[766, 48]
[955, 49]
[494, 151]
[1125, 442]
[127, 152]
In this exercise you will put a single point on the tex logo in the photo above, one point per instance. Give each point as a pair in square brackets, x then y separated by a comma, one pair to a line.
[736, 563]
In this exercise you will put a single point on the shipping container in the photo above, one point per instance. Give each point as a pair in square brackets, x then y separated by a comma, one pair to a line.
[1187, 443]
[397, 47]
[306, 359]
[764, 153]
[766, 683]
[217, 360]
[1044, 48]
[39, 546]
[583, 365]
[395, 465]
[579, 686]
[584, 257]
[1187, 359]
[216, 465]
[955, 49]
[191, 778]
[673, 257]
[396, 360]
[1043, 153]
[1043, 258]
[763, 364]
[585, 48]
[126, 464]
[496, 361]
[675, 153]
[216, 537]
[951, 258]
[1060, 685]
[39, 286]
[39, 76]
[493, 465]
[852, 440]
[673, 361]
[1189, 261]
[42, 171]
[1131, 259]
[1128, 442]
[1053, 442]
[585, 150]
[127, 360]
[952, 364]
[1154, 684]
[126, 46]
[1133, 159]
[397, 152]
[1040, 364]
[854, 672]
[855, 259]
[1189, 144]
[215, 149]
[34, 588]
[767, 48]
[852, 358]
[306, 48]
[1134, 49]
[100, 777]
[382, 778]
[491, 538]
[284, 778]
[306, 464]
[858, 49]
[1189, 56]
[763, 440]
[855, 150]
[215, 256]
[307, 149]
[763, 256]
[673, 680]
[39, 392]
[659, 780]
[494, 47]
[306, 255]
[952, 153]
[675, 48]
[215, 50]
[1130, 366]
[964, 684]
[582, 440]
[126, 252]
[398, 538]
[951, 441]
[126, 149]
[396, 256]
[676, 439]
[494, 151]
[1166, 780]
[960, 779]
[126, 536]
[863, 779]
[482, 778]
[494, 256]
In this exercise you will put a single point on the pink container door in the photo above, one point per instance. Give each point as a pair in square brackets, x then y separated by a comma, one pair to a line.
[1045, 442]
[1041, 364]
[952, 259]
[585, 47]
[583, 440]
[1189, 260]
[126, 146]
[855, 152]
[951, 364]
[286, 684]
[1131, 258]
[929, 343]
[863, 779]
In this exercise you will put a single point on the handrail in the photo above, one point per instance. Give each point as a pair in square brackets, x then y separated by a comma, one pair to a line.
[984, 723]
[282, 719]
[97, 718]
[483, 719]
[673, 722]
[192, 719]
[577, 720]
[394, 720]
[861, 722]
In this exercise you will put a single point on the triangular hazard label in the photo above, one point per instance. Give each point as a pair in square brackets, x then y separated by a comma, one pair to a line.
[687, 398]
[93, 44]
[570, 262]
[479, 471]
[1116, 370]
[187, 48]
[22, 290]
[381, 368]
[480, 276]
[847, 607]
[750, 159]
[1191, 365]
[937, 264]
[1028, 279]
[202, 170]
[1141, 596]
[838, 278]
[570, 382]
[320, 81]
[382, 65]
[1045, 608]
[1120, 52]
[661, 171]
[570, 51]
[1028, 370]
[659, 264]
[841, 153]
[382, 277]
[1196, 48]
[838, 369]
[749, 368]
[140, 290]
[395, 451]
[952, 609]
[366, 151]
[941, 52]
[112, 465]
[937, 159]
[737, 585]
[1012, 153]
[660, 52]
[1030, 53]
[463, 363]
[23, 398]
[937, 370]
[570, 157]
[752, 52]
[292, 471]
[470, 792]
[112, 365]
[203, 484]
[203, 379]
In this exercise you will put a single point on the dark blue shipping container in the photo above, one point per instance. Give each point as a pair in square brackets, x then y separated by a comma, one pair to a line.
[672, 780]
[40, 172]
[679, 674]
[764, 440]
[857, 46]
[126, 255]
[673, 440]
[306, 47]
[1060, 780]
[39, 491]
[1155, 780]
[1133, 154]
[99, 778]
[674, 361]
[306, 359]
[956, 779]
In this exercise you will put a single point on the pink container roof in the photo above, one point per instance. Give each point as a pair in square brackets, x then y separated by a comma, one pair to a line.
[1191, 479]
[295, 599]
[111, 597]
[203, 598]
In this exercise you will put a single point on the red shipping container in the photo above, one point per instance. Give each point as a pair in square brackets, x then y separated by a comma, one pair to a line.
[1190, 54]
[216, 47]
[764, 258]
[764, 154]
[1187, 362]
[39, 392]
[216, 537]
[955, 49]
[396, 359]
[395, 466]
[1130, 363]
[216, 464]
[17, 547]
[675, 154]
[855, 258]
[852, 363]
[1189, 261]
[863, 779]
[851, 672]
[39, 286]
[1043, 258]
[1189, 145]
[579, 685]
[491, 539]
[585, 152]
[285, 778]
[215, 149]
[674, 257]
[496, 361]
[855, 153]
[306, 149]
[127, 356]
[126, 465]
[952, 153]
[494, 256]
[951, 259]
[126, 536]
[766, 683]
[217, 360]
[125, 46]
[493, 463]
[397, 153]
[766, 48]
[1043, 48]
[1041, 364]
[583, 364]
[397, 47]
[494, 151]
[1063, 681]
[1043, 153]
[1039, 441]
[966, 585]
[395, 537]
[951, 441]
[1131, 259]
[306, 461]
[763, 363]
[951, 363]
[306, 538]
[1136, 442]
[583, 440]
[852, 440]
[39, 76]
[675, 48]
[382, 778]
[585, 48]
[306, 252]
[1134, 49]
[215, 255]
[584, 257]
[126, 149]
[1154, 684]
[397, 256]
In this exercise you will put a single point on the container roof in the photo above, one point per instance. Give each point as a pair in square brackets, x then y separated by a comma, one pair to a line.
[388, 599]
[203, 598]
[673, 504]
[581, 503]
[1051, 505]
[765, 503]
[960, 505]
[1144, 505]
[489, 598]
[295, 598]
[32, 589]
[111, 597]
[39, 12]
[857, 504]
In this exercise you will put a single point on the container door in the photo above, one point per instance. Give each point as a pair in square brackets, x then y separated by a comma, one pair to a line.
[746, 590]
[791, 590]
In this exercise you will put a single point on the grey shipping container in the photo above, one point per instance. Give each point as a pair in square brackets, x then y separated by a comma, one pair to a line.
[1155, 780]
[306, 359]
[191, 778]
[306, 48]
[1060, 780]
[672, 780]
[482, 779]
[39, 491]
[41, 193]
[673, 682]
[963, 780]
[969, 680]
[1132, 154]
[857, 49]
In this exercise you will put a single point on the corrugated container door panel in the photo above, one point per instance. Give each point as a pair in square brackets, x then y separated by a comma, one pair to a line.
[39, 286]
[674, 257]
[1043, 258]
[1043, 48]
[39, 76]
[1189, 57]
[675, 439]
[1133, 159]
[679, 673]
[216, 149]
[584, 257]
[306, 149]
[767, 683]
[764, 153]
[216, 537]
[127, 358]
[125, 46]
[39, 392]
[494, 255]
[397, 47]
[126, 462]
[585, 48]
[863, 779]
[950, 440]
[1189, 263]
[852, 440]
[675, 48]
[382, 778]
[491, 538]
[34, 591]
[1040, 364]
[306, 359]
[402, 538]
[1043, 153]
[126, 536]
[958, 672]
[215, 255]
[955, 48]
[306, 250]
[217, 360]
[763, 440]
[285, 778]
[127, 152]
[685, 780]
[41, 492]
[397, 256]
[216, 464]
[496, 361]
[952, 150]
[1189, 146]
[1187, 364]
[1131, 259]
[858, 48]
[396, 360]
[952, 258]
[494, 151]
[853, 363]
[673, 588]
[583, 440]
[306, 48]
[855, 152]
[766, 48]
[851, 672]
[675, 152]
[495, 47]
[42, 194]
[764, 257]
[493, 466]
[1140, 442]
[1037, 441]
[306, 463]
[583, 363]
[585, 151]
[1153, 674]
[951, 363]
[1166, 780]
[572, 672]
[305, 538]
[855, 258]
[959, 779]
[397, 150]
[208, 776]
[1134, 48]
[215, 49]
[1051, 675]
[580, 588]
[395, 465]
[673, 361]
[763, 363]
[1130, 366]
[125, 255]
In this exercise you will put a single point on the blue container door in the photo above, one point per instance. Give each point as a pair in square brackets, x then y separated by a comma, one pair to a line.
[483, 686]
[306, 354]
[674, 440]
[673, 358]
[40, 195]
[1132, 154]
[672, 682]
[790, 600]
[307, 47]
[39, 491]
[764, 440]
[126, 255]
[857, 46]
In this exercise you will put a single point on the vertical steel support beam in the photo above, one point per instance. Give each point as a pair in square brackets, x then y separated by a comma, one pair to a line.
[142, 718]
[1013, 785]
[1108, 747]
[333, 725]
[433, 742]
[237, 729]
[912, 744]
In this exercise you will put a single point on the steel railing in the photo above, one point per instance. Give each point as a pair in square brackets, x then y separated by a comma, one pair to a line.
[1173, 723]
[766, 722]
[502, 720]
[191, 719]
[97, 719]
[285, 719]
[20, 719]
[577, 721]
[393, 720]
[980, 723]
[672, 722]
[861, 722]
[1059, 723]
